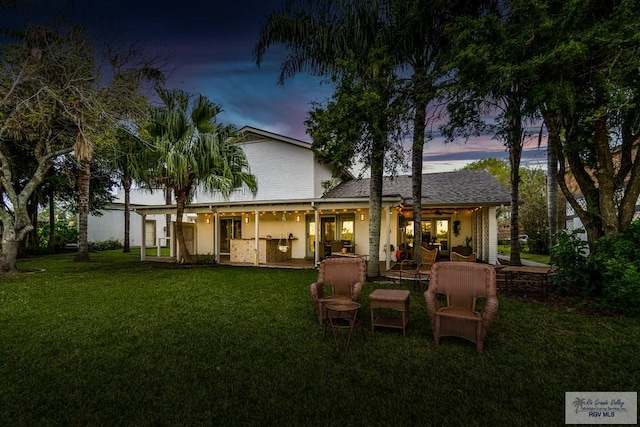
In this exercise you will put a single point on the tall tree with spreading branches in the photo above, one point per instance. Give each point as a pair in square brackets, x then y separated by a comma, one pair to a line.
[589, 97]
[43, 79]
[494, 75]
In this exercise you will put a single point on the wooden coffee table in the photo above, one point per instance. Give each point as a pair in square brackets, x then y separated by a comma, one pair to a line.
[393, 299]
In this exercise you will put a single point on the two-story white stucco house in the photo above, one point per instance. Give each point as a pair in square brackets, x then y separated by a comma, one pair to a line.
[294, 217]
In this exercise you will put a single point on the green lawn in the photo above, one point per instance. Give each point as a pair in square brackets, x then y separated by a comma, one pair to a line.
[119, 342]
[506, 249]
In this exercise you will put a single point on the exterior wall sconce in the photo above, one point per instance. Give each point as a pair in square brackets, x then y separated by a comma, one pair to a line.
[297, 218]
[361, 217]
[246, 220]
[208, 220]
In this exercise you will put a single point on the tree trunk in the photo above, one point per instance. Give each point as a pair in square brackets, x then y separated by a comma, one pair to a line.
[52, 221]
[416, 174]
[186, 257]
[9, 253]
[605, 175]
[514, 144]
[569, 156]
[552, 179]
[31, 241]
[126, 185]
[13, 233]
[375, 207]
[83, 210]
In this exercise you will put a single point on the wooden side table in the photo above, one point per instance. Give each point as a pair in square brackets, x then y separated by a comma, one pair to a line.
[394, 299]
[343, 315]
[543, 271]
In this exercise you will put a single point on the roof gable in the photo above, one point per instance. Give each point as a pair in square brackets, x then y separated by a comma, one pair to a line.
[254, 134]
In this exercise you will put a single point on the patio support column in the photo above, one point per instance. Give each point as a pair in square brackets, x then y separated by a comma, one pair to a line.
[256, 242]
[143, 241]
[317, 242]
[388, 232]
[172, 246]
[474, 234]
[216, 238]
[493, 237]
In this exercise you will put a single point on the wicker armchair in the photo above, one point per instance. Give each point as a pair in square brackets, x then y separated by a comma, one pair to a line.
[345, 278]
[454, 256]
[415, 271]
[429, 257]
[464, 285]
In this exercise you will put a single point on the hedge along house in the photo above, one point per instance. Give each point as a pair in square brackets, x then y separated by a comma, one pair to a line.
[293, 217]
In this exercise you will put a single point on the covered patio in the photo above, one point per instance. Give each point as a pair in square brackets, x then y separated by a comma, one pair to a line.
[458, 209]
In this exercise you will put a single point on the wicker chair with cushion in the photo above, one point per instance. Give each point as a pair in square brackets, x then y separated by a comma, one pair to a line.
[466, 286]
[342, 277]
[454, 256]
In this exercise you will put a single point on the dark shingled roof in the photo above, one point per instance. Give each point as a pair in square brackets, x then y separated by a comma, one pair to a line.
[438, 189]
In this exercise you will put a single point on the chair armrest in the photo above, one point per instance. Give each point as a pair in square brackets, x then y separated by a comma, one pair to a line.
[490, 308]
[422, 267]
[317, 290]
[431, 300]
[488, 313]
[406, 263]
[355, 293]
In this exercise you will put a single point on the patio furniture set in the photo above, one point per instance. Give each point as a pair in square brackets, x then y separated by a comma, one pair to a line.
[461, 299]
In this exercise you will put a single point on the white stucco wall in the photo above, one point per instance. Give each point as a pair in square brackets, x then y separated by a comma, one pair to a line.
[111, 226]
[284, 172]
[141, 196]
[321, 173]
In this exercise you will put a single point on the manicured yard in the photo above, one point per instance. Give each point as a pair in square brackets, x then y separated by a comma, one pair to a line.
[119, 342]
[506, 249]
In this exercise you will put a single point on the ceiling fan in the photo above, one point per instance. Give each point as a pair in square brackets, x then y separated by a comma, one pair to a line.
[439, 212]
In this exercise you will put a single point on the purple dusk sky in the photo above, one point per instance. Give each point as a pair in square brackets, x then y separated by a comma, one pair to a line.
[208, 45]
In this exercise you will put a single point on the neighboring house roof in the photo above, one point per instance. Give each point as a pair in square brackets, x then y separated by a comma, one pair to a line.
[459, 188]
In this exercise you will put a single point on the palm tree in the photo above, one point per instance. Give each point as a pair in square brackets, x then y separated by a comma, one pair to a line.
[322, 36]
[131, 158]
[347, 40]
[195, 150]
[419, 41]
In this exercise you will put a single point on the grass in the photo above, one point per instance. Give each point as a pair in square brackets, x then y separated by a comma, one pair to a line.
[506, 249]
[120, 342]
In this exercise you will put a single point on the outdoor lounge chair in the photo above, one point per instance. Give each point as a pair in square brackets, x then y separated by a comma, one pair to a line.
[464, 285]
[342, 277]
[454, 256]
[429, 258]
[415, 271]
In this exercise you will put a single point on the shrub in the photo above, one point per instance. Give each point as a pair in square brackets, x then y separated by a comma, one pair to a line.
[105, 245]
[63, 234]
[569, 255]
[617, 262]
[538, 243]
[206, 259]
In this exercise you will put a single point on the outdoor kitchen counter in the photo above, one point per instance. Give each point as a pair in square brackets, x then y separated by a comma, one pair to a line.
[242, 250]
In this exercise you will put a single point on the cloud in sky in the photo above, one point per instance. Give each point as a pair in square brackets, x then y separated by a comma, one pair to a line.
[209, 46]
